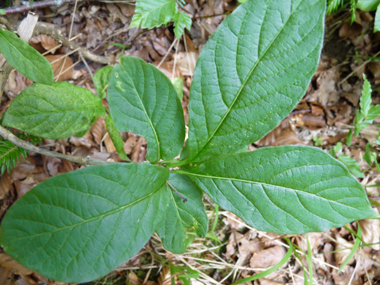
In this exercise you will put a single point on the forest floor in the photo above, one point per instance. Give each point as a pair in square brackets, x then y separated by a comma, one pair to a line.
[232, 250]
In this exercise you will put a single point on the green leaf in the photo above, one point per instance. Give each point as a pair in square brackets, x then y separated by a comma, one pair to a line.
[351, 164]
[178, 86]
[2, 12]
[25, 59]
[349, 138]
[79, 226]
[54, 111]
[365, 99]
[182, 215]
[150, 14]
[287, 190]
[116, 138]
[377, 20]
[101, 80]
[181, 21]
[270, 270]
[252, 73]
[368, 155]
[143, 100]
[334, 5]
[368, 5]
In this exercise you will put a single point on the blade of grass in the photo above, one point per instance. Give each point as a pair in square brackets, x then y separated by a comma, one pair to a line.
[309, 258]
[272, 269]
[353, 250]
[216, 212]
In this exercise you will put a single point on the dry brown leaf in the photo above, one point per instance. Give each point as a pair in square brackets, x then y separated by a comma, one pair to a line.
[126, 9]
[268, 257]
[16, 83]
[6, 276]
[109, 144]
[371, 231]
[60, 63]
[116, 13]
[98, 129]
[233, 222]
[165, 276]
[349, 30]
[344, 278]
[343, 249]
[52, 165]
[5, 185]
[133, 279]
[23, 282]
[326, 94]
[12, 265]
[48, 43]
[186, 62]
[67, 166]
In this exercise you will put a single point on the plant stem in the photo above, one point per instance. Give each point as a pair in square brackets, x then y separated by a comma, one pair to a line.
[26, 145]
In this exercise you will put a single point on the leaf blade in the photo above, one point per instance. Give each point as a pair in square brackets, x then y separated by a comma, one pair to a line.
[150, 14]
[54, 111]
[242, 89]
[182, 215]
[122, 203]
[25, 59]
[276, 197]
[143, 100]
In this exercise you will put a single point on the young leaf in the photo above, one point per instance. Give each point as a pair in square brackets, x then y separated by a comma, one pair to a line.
[178, 86]
[54, 111]
[182, 215]
[352, 165]
[287, 190]
[252, 73]
[368, 5]
[79, 226]
[366, 99]
[101, 79]
[181, 21]
[377, 20]
[150, 14]
[2, 12]
[116, 138]
[25, 59]
[143, 100]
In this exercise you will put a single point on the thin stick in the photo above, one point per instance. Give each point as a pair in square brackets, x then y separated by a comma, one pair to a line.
[179, 194]
[26, 145]
[170, 48]
[86, 64]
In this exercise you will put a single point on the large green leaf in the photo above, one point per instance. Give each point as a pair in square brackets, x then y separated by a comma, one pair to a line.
[150, 14]
[54, 111]
[143, 100]
[367, 5]
[287, 190]
[25, 59]
[252, 73]
[182, 215]
[79, 226]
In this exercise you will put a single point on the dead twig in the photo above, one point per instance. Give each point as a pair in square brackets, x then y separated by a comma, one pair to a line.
[26, 145]
[51, 31]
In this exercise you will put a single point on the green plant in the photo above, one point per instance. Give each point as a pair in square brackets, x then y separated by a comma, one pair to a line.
[150, 14]
[252, 72]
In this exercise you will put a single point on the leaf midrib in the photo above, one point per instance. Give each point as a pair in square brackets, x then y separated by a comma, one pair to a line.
[146, 114]
[94, 218]
[245, 81]
[260, 183]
